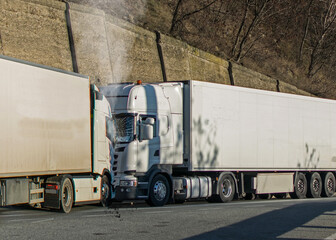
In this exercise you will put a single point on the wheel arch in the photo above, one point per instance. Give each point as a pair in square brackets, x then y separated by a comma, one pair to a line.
[108, 174]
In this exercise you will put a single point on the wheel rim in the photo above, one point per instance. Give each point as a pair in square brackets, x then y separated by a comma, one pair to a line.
[227, 188]
[330, 185]
[65, 196]
[316, 185]
[104, 191]
[301, 186]
[160, 190]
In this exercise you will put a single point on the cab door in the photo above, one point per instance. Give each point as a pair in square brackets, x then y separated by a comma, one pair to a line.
[148, 143]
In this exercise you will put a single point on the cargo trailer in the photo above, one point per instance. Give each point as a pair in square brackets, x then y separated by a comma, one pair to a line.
[191, 140]
[54, 149]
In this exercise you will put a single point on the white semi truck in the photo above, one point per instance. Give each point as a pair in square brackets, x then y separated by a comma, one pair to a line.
[54, 149]
[190, 140]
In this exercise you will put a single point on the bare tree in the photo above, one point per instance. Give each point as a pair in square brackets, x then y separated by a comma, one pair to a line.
[255, 12]
[305, 29]
[179, 16]
[242, 24]
[175, 14]
[323, 37]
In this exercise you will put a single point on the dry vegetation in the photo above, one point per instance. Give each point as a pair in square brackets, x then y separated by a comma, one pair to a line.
[293, 41]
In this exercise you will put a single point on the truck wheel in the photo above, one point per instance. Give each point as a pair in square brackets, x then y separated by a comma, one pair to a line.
[159, 192]
[300, 187]
[226, 188]
[105, 193]
[315, 185]
[67, 195]
[328, 188]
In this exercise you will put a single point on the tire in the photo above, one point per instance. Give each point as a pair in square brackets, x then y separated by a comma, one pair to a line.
[328, 188]
[105, 191]
[159, 191]
[66, 195]
[300, 187]
[227, 188]
[315, 186]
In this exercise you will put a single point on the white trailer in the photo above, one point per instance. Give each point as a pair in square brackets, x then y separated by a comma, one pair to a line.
[191, 139]
[52, 151]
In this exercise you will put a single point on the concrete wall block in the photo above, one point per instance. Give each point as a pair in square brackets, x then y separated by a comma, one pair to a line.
[185, 62]
[245, 77]
[176, 58]
[91, 44]
[207, 67]
[204, 70]
[53, 4]
[208, 56]
[128, 26]
[35, 31]
[287, 88]
[133, 53]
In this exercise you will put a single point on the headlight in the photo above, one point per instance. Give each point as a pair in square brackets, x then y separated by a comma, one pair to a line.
[128, 183]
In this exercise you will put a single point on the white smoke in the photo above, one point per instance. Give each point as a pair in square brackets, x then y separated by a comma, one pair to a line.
[121, 63]
[102, 42]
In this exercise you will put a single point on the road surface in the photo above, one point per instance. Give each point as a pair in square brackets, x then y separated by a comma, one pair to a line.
[259, 219]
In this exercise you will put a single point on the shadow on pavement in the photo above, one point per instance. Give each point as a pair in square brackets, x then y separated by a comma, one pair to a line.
[272, 224]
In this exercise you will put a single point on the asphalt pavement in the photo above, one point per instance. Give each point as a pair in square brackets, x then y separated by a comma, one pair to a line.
[259, 219]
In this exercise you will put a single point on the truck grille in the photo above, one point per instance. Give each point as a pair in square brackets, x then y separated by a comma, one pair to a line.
[117, 151]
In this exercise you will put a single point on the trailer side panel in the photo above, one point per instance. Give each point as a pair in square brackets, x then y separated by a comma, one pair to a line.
[234, 128]
[44, 121]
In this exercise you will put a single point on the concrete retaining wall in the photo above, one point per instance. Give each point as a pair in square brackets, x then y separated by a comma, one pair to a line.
[112, 50]
[35, 31]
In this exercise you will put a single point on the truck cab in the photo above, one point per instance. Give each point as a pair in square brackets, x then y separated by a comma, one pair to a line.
[147, 137]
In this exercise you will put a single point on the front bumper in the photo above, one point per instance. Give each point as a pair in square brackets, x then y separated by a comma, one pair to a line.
[123, 193]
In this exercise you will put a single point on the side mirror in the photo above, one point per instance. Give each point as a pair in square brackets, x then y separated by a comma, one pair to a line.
[149, 121]
[147, 129]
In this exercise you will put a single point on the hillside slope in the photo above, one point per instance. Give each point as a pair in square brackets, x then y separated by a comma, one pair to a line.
[293, 41]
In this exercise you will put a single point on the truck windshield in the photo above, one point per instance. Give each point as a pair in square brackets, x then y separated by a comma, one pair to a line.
[124, 128]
